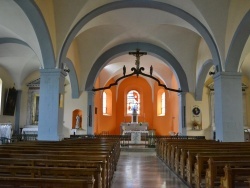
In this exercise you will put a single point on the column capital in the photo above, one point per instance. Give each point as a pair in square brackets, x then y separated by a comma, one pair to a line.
[227, 75]
[53, 71]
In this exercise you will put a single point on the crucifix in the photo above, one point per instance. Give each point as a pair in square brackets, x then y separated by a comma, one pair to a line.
[137, 54]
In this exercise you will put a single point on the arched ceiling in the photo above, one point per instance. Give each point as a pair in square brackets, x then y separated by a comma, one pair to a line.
[135, 25]
[119, 26]
[114, 68]
[19, 49]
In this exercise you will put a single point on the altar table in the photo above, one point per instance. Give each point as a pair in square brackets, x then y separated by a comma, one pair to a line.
[30, 129]
[134, 127]
[135, 136]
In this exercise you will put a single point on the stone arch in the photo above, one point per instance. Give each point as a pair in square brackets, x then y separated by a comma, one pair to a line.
[73, 78]
[156, 51]
[238, 42]
[144, 4]
[36, 19]
[13, 40]
[201, 79]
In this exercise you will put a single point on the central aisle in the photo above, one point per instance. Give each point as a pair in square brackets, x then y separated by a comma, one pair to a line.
[138, 169]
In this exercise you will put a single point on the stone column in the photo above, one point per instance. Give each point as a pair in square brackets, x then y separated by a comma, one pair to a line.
[51, 104]
[91, 108]
[228, 107]
[182, 115]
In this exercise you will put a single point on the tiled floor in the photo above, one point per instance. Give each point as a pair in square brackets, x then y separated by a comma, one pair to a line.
[143, 170]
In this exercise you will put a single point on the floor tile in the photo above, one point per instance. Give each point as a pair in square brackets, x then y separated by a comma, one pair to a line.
[143, 170]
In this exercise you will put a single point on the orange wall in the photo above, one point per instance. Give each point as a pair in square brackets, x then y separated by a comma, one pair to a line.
[162, 124]
[105, 123]
[142, 86]
[169, 122]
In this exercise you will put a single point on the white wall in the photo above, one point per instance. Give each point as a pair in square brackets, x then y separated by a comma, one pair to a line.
[70, 105]
[205, 111]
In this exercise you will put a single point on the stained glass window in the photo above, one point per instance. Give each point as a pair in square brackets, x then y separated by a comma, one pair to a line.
[133, 102]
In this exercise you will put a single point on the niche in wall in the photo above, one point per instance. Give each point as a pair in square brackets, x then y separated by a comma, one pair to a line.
[75, 113]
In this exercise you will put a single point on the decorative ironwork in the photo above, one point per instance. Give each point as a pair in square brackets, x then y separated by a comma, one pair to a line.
[137, 70]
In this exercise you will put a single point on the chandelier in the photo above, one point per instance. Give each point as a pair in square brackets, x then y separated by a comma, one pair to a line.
[137, 70]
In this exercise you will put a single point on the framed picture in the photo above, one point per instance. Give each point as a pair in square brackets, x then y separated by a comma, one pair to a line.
[10, 102]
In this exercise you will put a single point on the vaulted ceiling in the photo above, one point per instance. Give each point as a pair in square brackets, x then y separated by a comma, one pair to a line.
[21, 53]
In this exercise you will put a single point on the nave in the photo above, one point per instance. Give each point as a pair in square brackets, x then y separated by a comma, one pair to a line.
[143, 169]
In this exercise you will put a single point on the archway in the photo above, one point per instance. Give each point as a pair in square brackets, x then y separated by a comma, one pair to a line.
[151, 49]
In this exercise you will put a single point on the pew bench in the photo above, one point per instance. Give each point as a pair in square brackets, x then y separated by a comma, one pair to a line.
[25, 182]
[195, 168]
[106, 173]
[57, 164]
[201, 165]
[51, 154]
[48, 172]
[179, 160]
[216, 166]
[235, 177]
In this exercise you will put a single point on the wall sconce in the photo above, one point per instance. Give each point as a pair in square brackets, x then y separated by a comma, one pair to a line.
[66, 70]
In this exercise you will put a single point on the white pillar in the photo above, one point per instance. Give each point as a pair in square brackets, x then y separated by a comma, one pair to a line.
[228, 107]
[91, 108]
[182, 115]
[51, 104]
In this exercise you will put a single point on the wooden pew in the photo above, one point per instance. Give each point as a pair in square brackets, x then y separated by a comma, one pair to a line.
[195, 168]
[188, 154]
[93, 165]
[201, 163]
[163, 144]
[106, 177]
[235, 177]
[90, 150]
[216, 165]
[24, 182]
[47, 172]
[197, 147]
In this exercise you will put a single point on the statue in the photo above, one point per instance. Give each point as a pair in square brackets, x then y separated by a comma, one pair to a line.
[78, 119]
[134, 114]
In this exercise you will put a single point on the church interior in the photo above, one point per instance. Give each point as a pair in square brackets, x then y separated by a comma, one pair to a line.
[160, 68]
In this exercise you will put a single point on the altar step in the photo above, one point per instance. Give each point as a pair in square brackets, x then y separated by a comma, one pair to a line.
[137, 148]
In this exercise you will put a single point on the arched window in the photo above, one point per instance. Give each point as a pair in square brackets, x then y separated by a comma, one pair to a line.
[107, 102]
[161, 103]
[133, 101]
[104, 102]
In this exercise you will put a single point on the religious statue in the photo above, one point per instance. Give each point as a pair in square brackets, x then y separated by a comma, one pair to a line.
[134, 114]
[78, 119]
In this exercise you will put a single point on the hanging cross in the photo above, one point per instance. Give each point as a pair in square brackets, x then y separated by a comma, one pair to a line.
[137, 54]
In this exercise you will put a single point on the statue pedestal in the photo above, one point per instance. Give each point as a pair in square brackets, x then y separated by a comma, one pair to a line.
[134, 118]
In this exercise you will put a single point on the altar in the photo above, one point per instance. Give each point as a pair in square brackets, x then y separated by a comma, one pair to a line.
[136, 136]
[30, 129]
[135, 130]
[133, 127]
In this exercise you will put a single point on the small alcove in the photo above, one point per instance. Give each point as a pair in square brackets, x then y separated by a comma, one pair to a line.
[76, 113]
